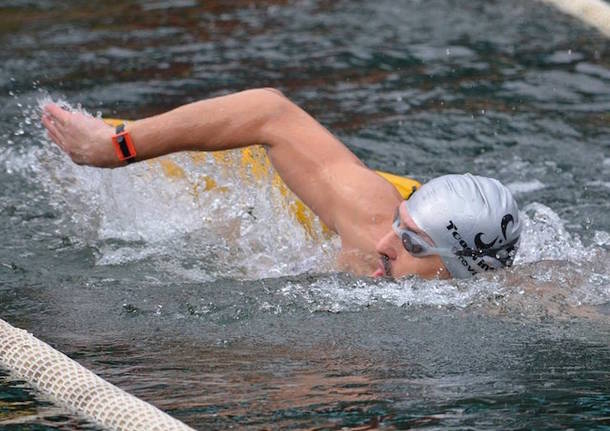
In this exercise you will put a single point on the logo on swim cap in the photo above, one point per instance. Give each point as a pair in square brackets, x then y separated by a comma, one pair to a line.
[508, 218]
[504, 253]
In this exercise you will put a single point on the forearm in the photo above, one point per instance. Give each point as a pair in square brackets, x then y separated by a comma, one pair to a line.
[221, 123]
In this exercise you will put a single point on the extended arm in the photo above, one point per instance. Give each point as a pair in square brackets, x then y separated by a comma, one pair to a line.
[315, 165]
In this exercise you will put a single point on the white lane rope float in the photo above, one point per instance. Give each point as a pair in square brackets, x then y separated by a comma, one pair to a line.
[74, 387]
[595, 13]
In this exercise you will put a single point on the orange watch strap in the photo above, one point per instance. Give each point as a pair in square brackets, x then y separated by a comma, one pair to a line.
[123, 145]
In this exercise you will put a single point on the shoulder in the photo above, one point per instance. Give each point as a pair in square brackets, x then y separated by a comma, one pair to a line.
[364, 200]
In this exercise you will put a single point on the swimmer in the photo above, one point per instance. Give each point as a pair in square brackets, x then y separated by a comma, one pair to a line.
[453, 226]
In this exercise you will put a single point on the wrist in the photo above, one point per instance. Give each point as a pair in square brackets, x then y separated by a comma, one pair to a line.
[102, 153]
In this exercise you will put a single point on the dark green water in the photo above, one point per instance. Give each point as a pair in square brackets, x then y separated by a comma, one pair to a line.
[217, 308]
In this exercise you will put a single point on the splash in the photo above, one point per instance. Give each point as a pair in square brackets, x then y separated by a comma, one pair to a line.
[545, 237]
[191, 217]
[554, 275]
[188, 206]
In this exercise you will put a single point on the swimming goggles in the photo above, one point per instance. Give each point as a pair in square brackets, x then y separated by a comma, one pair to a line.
[418, 247]
[415, 244]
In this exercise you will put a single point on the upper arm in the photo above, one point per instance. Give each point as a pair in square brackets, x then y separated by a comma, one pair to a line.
[322, 171]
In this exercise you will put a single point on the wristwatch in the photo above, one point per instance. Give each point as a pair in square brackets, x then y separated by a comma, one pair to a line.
[123, 145]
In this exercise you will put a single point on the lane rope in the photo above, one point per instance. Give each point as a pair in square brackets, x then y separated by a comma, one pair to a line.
[595, 13]
[74, 387]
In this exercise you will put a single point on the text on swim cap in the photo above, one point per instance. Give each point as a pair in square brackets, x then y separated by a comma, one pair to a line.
[480, 263]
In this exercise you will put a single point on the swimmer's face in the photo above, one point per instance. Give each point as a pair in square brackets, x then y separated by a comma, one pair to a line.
[396, 261]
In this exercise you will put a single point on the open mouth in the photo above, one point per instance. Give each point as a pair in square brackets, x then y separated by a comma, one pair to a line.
[384, 267]
[385, 261]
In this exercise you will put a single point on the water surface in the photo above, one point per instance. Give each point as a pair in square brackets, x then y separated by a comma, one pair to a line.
[218, 307]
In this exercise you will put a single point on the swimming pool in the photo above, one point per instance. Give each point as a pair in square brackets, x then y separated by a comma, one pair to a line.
[218, 308]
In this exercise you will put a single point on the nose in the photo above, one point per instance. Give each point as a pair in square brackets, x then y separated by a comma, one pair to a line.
[387, 245]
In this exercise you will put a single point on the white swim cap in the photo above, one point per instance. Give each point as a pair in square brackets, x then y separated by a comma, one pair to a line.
[475, 216]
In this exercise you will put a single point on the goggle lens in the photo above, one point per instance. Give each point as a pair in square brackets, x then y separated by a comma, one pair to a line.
[409, 239]
[411, 247]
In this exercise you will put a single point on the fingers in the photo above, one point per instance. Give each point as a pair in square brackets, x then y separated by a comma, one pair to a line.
[56, 139]
[50, 124]
[53, 131]
[60, 116]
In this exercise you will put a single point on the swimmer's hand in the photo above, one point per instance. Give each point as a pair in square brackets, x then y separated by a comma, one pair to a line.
[87, 140]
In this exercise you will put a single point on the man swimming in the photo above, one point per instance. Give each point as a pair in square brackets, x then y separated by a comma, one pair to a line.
[453, 226]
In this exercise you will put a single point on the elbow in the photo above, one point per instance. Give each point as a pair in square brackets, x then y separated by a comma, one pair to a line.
[275, 102]
[274, 91]
[279, 113]
[268, 101]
